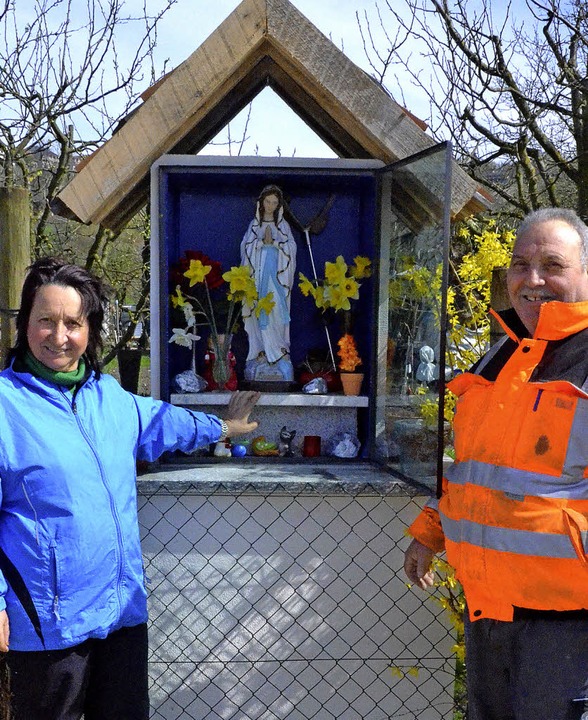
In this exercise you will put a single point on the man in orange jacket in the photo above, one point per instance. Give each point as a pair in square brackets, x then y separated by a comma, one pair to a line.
[513, 515]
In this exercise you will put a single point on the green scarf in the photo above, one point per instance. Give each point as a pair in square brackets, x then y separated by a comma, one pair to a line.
[67, 379]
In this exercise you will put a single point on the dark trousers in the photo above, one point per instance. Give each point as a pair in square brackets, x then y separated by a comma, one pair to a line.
[534, 668]
[101, 679]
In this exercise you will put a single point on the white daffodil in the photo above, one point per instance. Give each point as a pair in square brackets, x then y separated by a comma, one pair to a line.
[182, 337]
[189, 315]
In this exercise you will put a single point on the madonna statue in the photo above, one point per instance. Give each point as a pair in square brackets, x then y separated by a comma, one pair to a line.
[268, 247]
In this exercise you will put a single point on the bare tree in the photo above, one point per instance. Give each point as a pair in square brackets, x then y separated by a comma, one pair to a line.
[70, 72]
[509, 87]
[64, 66]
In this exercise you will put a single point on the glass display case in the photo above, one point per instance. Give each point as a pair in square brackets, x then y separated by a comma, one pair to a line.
[396, 216]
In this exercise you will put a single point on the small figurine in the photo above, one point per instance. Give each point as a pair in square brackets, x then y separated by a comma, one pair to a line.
[264, 448]
[285, 444]
[222, 449]
[427, 371]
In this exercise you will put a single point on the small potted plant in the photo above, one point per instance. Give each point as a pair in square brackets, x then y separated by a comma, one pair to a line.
[349, 361]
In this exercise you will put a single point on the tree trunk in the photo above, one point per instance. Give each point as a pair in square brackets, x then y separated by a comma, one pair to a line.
[15, 256]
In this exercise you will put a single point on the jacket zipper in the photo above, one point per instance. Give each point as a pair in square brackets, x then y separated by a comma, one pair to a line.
[73, 404]
[57, 583]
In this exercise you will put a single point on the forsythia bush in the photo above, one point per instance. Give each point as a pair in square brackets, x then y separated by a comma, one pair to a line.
[481, 247]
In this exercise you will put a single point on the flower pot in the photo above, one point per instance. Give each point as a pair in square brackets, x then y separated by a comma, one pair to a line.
[351, 382]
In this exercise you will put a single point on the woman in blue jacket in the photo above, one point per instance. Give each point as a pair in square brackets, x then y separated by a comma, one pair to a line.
[73, 605]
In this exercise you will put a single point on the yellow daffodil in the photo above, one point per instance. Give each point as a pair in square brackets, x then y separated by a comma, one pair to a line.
[336, 297]
[197, 272]
[335, 273]
[178, 300]
[239, 279]
[350, 288]
[320, 301]
[305, 285]
[362, 267]
[265, 304]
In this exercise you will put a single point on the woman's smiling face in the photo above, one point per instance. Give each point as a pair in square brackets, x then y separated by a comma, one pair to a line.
[58, 330]
[546, 265]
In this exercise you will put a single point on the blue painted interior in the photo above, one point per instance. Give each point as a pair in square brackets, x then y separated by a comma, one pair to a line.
[209, 209]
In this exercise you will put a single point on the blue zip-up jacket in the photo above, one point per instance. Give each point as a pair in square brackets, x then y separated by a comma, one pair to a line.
[70, 555]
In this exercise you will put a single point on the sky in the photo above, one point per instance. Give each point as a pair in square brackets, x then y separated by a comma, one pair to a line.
[273, 127]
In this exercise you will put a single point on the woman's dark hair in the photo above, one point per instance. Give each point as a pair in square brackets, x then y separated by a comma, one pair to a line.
[52, 271]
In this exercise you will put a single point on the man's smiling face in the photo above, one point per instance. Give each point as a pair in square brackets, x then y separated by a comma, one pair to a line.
[546, 265]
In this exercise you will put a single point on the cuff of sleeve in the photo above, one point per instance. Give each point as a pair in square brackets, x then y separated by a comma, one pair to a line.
[427, 530]
[224, 431]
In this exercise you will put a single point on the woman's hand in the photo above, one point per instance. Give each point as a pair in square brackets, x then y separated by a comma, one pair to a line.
[4, 631]
[237, 417]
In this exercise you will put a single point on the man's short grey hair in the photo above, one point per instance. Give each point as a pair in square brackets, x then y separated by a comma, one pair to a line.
[567, 215]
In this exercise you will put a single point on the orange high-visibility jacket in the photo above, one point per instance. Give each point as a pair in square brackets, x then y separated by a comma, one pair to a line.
[513, 516]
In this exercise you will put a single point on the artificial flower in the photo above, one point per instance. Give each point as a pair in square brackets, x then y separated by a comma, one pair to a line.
[306, 287]
[339, 285]
[181, 336]
[348, 353]
[336, 272]
[206, 303]
[178, 300]
[197, 272]
[241, 282]
[265, 304]
[336, 298]
[213, 278]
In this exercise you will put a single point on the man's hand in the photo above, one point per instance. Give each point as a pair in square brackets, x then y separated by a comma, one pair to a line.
[417, 565]
[4, 631]
[237, 417]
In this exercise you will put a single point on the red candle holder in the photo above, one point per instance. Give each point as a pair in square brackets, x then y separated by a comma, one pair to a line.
[311, 446]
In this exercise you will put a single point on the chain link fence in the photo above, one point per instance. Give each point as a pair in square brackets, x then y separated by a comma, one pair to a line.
[287, 599]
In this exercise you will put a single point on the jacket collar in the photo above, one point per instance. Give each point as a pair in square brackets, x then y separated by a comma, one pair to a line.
[557, 320]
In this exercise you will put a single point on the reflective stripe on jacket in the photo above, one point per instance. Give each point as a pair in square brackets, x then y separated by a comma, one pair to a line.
[514, 511]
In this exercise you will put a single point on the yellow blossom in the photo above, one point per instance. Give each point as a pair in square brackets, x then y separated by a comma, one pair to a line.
[362, 267]
[239, 279]
[265, 304]
[305, 285]
[336, 272]
[319, 298]
[336, 297]
[197, 272]
[350, 288]
[178, 300]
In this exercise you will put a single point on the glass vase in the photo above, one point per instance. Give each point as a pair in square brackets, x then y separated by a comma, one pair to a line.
[223, 367]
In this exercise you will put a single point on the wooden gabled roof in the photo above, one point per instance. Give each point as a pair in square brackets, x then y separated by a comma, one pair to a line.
[261, 43]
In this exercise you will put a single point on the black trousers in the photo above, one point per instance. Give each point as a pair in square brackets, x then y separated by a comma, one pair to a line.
[534, 668]
[101, 679]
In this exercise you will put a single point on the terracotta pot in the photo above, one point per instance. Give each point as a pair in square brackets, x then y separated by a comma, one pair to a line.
[351, 383]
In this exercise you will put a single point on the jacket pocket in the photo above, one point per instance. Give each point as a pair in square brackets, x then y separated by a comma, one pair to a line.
[55, 578]
[576, 525]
